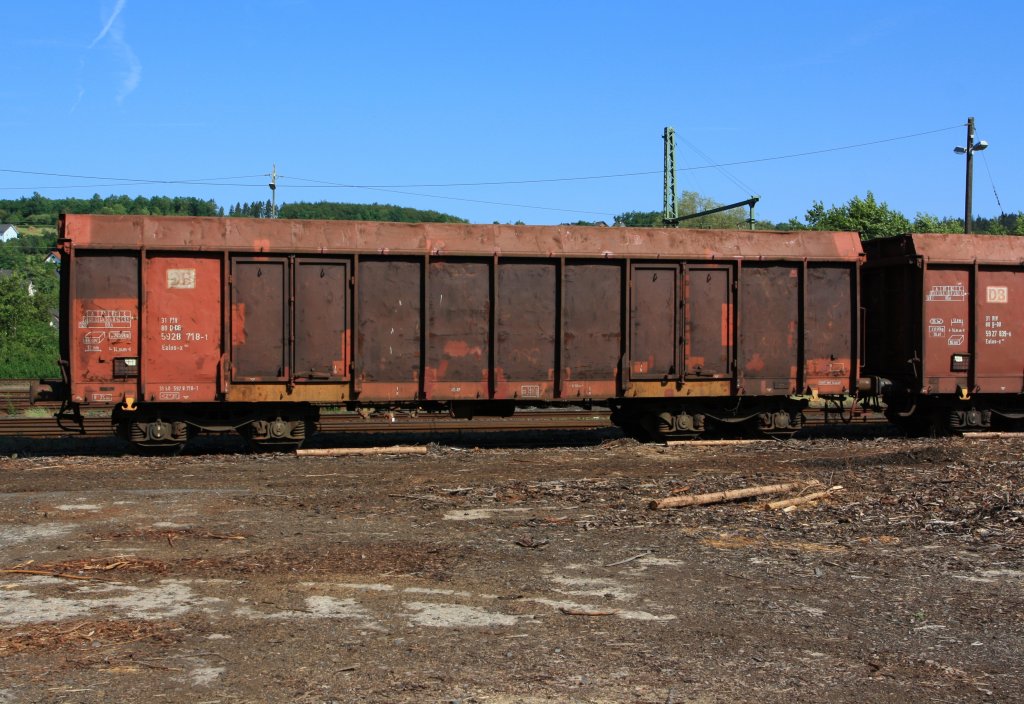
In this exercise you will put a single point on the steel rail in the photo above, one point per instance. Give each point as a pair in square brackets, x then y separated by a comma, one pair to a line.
[46, 427]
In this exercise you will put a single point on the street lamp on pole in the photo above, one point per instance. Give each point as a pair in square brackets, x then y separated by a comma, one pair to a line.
[969, 151]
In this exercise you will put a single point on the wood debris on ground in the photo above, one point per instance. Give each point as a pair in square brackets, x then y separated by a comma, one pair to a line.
[731, 495]
[83, 634]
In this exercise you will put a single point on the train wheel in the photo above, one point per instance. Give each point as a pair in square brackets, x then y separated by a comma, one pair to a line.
[276, 434]
[155, 436]
[651, 426]
[779, 425]
[969, 420]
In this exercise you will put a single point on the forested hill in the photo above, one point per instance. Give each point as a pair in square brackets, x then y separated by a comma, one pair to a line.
[359, 211]
[40, 212]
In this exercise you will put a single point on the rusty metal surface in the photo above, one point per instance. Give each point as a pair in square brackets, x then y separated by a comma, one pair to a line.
[526, 330]
[322, 330]
[458, 330]
[654, 321]
[388, 313]
[945, 313]
[318, 236]
[259, 320]
[966, 249]
[708, 339]
[104, 310]
[181, 326]
[769, 328]
[999, 322]
[829, 328]
[592, 344]
[388, 333]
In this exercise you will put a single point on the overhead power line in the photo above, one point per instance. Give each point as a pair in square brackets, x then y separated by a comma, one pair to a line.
[984, 160]
[825, 151]
[314, 183]
[126, 180]
[232, 181]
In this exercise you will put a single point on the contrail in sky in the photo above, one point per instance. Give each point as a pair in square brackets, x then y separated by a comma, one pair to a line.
[110, 22]
[113, 29]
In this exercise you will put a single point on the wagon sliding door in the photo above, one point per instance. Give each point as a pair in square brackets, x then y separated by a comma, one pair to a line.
[654, 321]
[592, 323]
[259, 320]
[268, 295]
[525, 329]
[458, 329]
[829, 328]
[388, 332]
[768, 355]
[182, 346]
[322, 331]
[709, 330]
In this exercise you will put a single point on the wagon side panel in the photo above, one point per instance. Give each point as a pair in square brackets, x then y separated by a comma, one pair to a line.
[104, 327]
[387, 363]
[322, 329]
[458, 329]
[259, 320]
[830, 352]
[525, 330]
[708, 338]
[769, 331]
[946, 319]
[999, 356]
[181, 349]
[592, 323]
[654, 322]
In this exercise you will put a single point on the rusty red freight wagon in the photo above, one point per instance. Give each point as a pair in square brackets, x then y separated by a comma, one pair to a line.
[182, 324]
[945, 325]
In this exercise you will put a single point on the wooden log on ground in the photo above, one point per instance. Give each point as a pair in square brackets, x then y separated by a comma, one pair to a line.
[711, 443]
[732, 495]
[805, 499]
[347, 451]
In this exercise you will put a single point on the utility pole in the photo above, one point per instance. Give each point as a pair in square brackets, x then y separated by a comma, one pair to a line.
[671, 207]
[970, 176]
[670, 215]
[273, 191]
[969, 151]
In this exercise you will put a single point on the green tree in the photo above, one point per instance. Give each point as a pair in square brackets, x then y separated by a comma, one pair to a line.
[925, 222]
[28, 343]
[872, 219]
[690, 203]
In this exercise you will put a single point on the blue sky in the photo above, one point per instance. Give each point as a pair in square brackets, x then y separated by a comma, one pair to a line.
[402, 95]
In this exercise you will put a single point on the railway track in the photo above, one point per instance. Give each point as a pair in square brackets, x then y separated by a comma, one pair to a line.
[46, 427]
[559, 419]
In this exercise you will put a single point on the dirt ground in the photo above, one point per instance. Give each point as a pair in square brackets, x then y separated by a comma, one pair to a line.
[491, 571]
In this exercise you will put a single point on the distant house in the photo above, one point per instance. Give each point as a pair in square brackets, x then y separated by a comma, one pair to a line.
[7, 231]
[53, 258]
